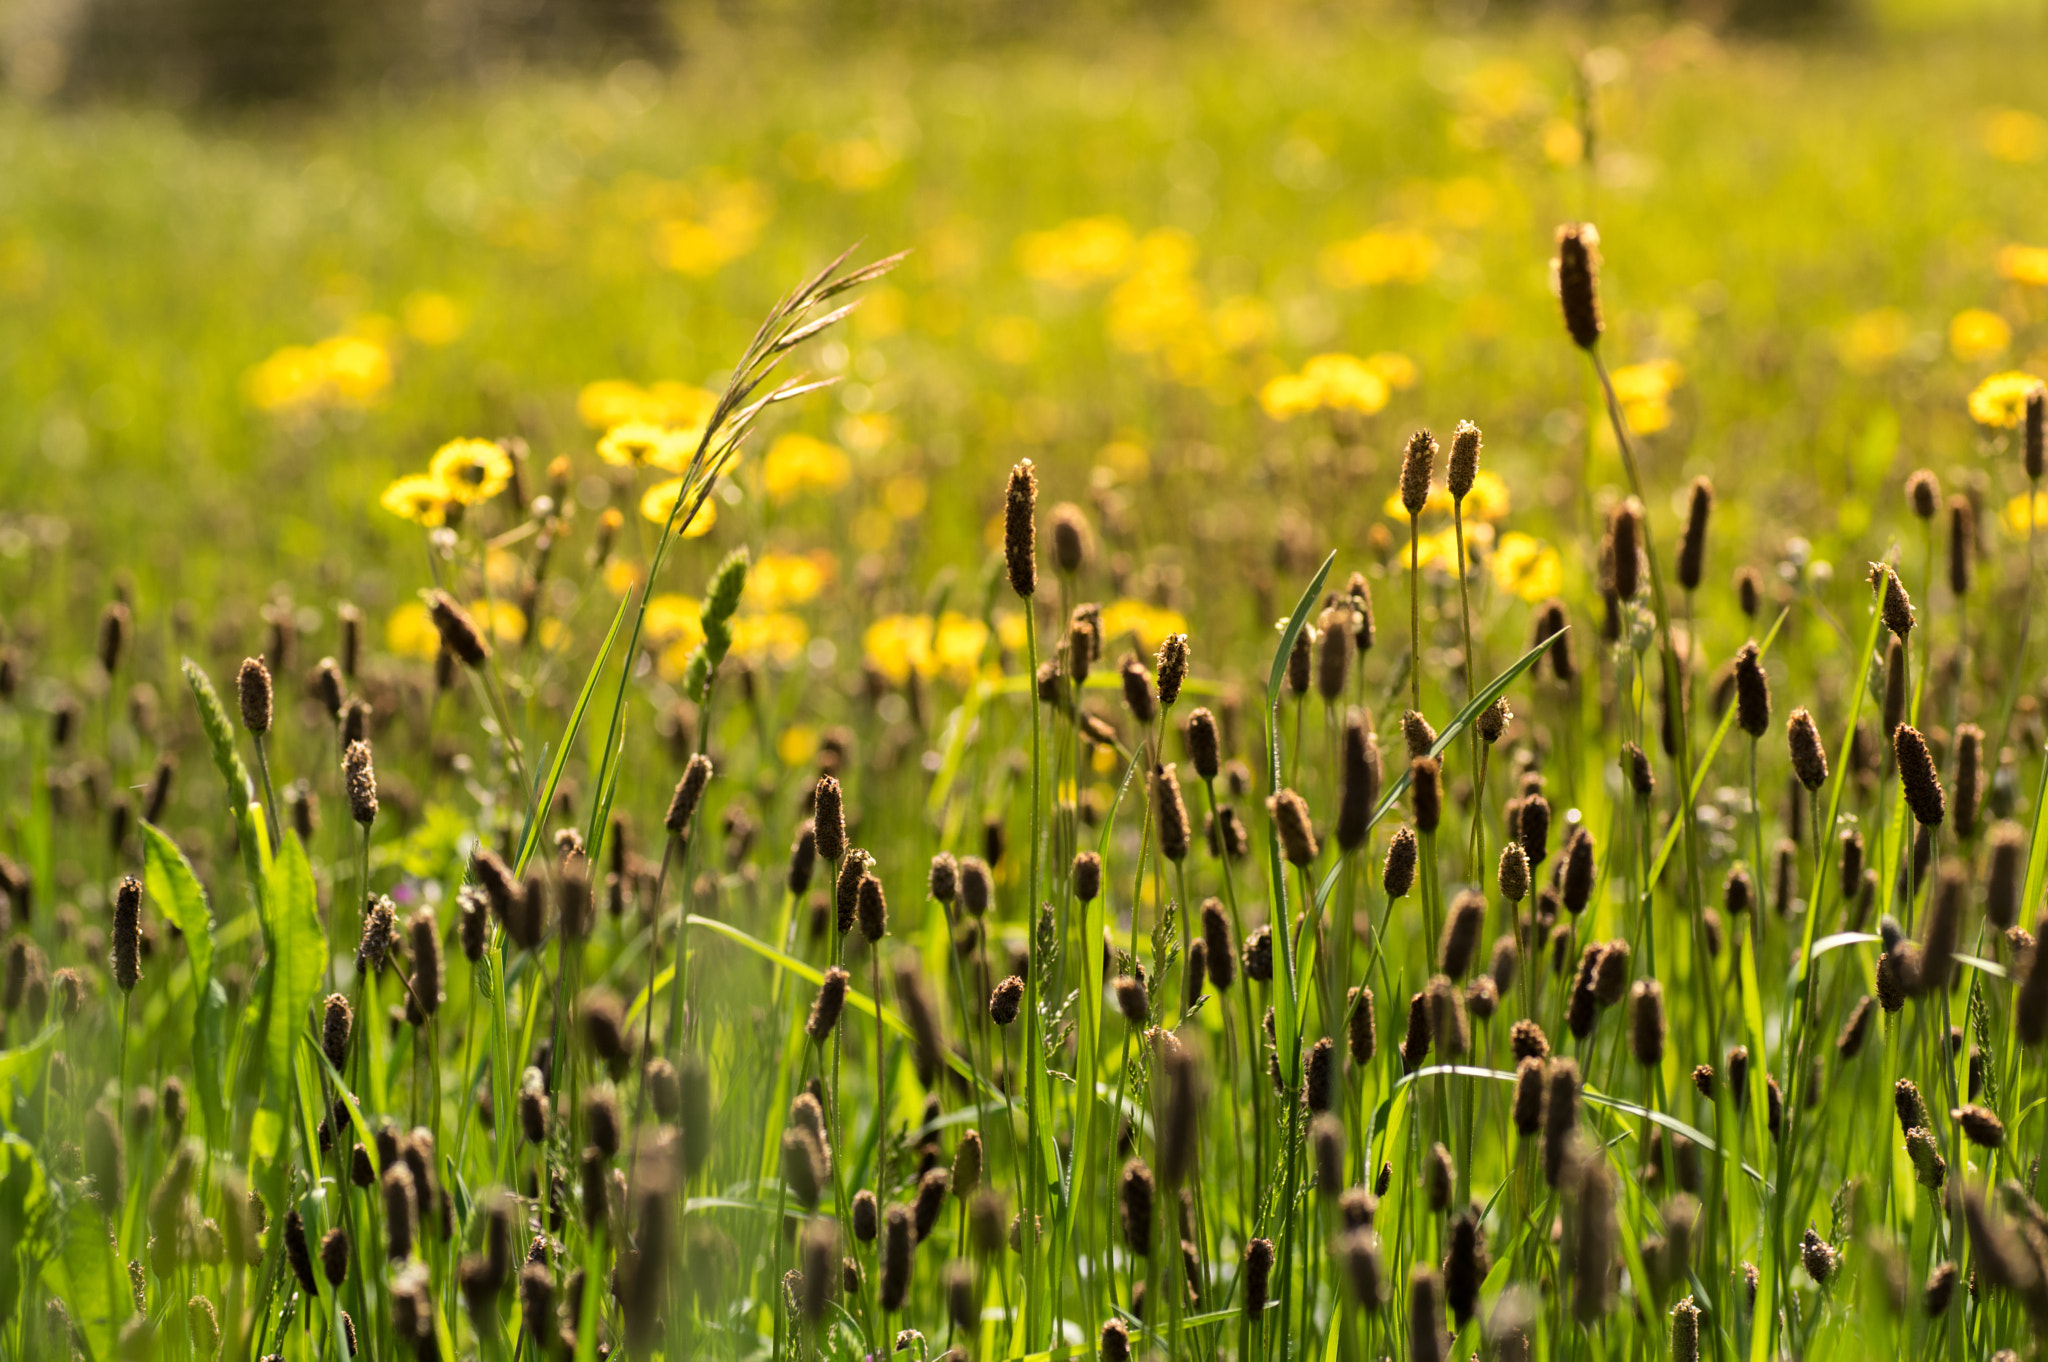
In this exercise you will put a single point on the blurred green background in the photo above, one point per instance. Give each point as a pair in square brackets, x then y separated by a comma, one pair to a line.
[252, 269]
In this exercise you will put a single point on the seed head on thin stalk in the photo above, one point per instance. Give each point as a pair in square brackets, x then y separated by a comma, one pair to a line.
[1398, 876]
[1917, 776]
[1575, 278]
[1019, 531]
[1692, 545]
[1172, 662]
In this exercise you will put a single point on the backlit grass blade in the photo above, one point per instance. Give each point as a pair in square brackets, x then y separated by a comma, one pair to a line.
[544, 798]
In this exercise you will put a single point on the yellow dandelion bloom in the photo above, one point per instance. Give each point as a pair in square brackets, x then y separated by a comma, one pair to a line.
[1527, 567]
[621, 576]
[434, 318]
[779, 580]
[2024, 264]
[957, 646]
[1011, 340]
[2021, 518]
[504, 621]
[1975, 334]
[2015, 135]
[905, 496]
[1396, 370]
[1242, 322]
[1384, 255]
[610, 402]
[1150, 623]
[1439, 504]
[777, 637]
[1563, 143]
[640, 444]
[1335, 382]
[421, 498]
[1874, 339]
[796, 464]
[894, 645]
[2001, 400]
[358, 369]
[797, 744]
[473, 471]
[1651, 380]
[660, 503]
[1077, 253]
[868, 432]
[1010, 629]
[342, 370]
[729, 226]
[410, 632]
[673, 619]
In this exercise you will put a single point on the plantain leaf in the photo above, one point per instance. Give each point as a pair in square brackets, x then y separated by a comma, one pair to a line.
[179, 897]
[301, 953]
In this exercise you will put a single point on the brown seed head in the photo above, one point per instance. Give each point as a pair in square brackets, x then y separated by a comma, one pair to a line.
[1402, 853]
[1297, 831]
[359, 776]
[1071, 539]
[1692, 545]
[1464, 465]
[1172, 661]
[1917, 776]
[1416, 463]
[127, 954]
[1923, 493]
[1019, 531]
[1752, 692]
[1896, 606]
[689, 793]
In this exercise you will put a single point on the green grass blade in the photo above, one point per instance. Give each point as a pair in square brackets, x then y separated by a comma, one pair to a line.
[545, 796]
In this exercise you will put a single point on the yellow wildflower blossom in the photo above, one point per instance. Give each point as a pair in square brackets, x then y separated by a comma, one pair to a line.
[621, 576]
[797, 744]
[639, 444]
[2016, 515]
[1242, 322]
[1975, 334]
[612, 402]
[730, 224]
[1487, 501]
[674, 620]
[1396, 370]
[342, 370]
[1874, 339]
[2001, 400]
[776, 637]
[1077, 253]
[1527, 567]
[660, 503]
[778, 580]
[1150, 623]
[1644, 391]
[434, 319]
[2015, 135]
[410, 632]
[473, 471]
[1336, 382]
[904, 496]
[796, 464]
[2024, 264]
[421, 498]
[1384, 255]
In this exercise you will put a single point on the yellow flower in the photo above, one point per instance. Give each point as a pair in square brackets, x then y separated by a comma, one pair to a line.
[777, 637]
[421, 498]
[1975, 334]
[434, 319]
[1396, 370]
[660, 503]
[1150, 623]
[615, 402]
[674, 620]
[732, 216]
[358, 370]
[904, 496]
[1384, 255]
[1527, 567]
[1486, 502]
[2015, 515]
[1874, 339]
[1563, 143]
[2014, 135]
[957, 646]
[1010, 629]
[797, 744]
[783, 579]
[2001, 400]
[1077, 253]
[796, 464]
[472, 471]
[350, 370]
[621, 576]
[1011, 340]
[1336, 382]
[2024, 264]
[504, 621]
[410, 632]
[897, 645]
[1242, 322]
[1644, 391]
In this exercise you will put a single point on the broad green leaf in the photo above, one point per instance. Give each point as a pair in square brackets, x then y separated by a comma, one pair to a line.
[178, 896]
[301, 954]
[87, 1277]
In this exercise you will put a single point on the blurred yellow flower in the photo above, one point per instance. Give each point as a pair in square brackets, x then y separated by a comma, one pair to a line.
[1242, 322]
[1527, 567]
[734, 212]
[1336, 382]
[1644, 391]
[1150, 623]
[1486, 502]
[2015, 135]
[421, 498]
[1010, 340]
[621, 576]
[1395, 369]
[1975, 334]
[2001, 400]
[637, 444]
[1874, 339]
[674, 620]
[1161, 311]
[904, 496]
[1077, 253]
[612, 402]
[1563, 143]
[472, 471]
[660, 503]
[2015, 515]
[2024, 264]
[1384, 255]
[867, 432]
[341, 370]
[1126, 459]
[776, 637]
[797, 744]
[410, 632]
[434, 318]
[796, 464]
[897, 645]
[778, 580]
